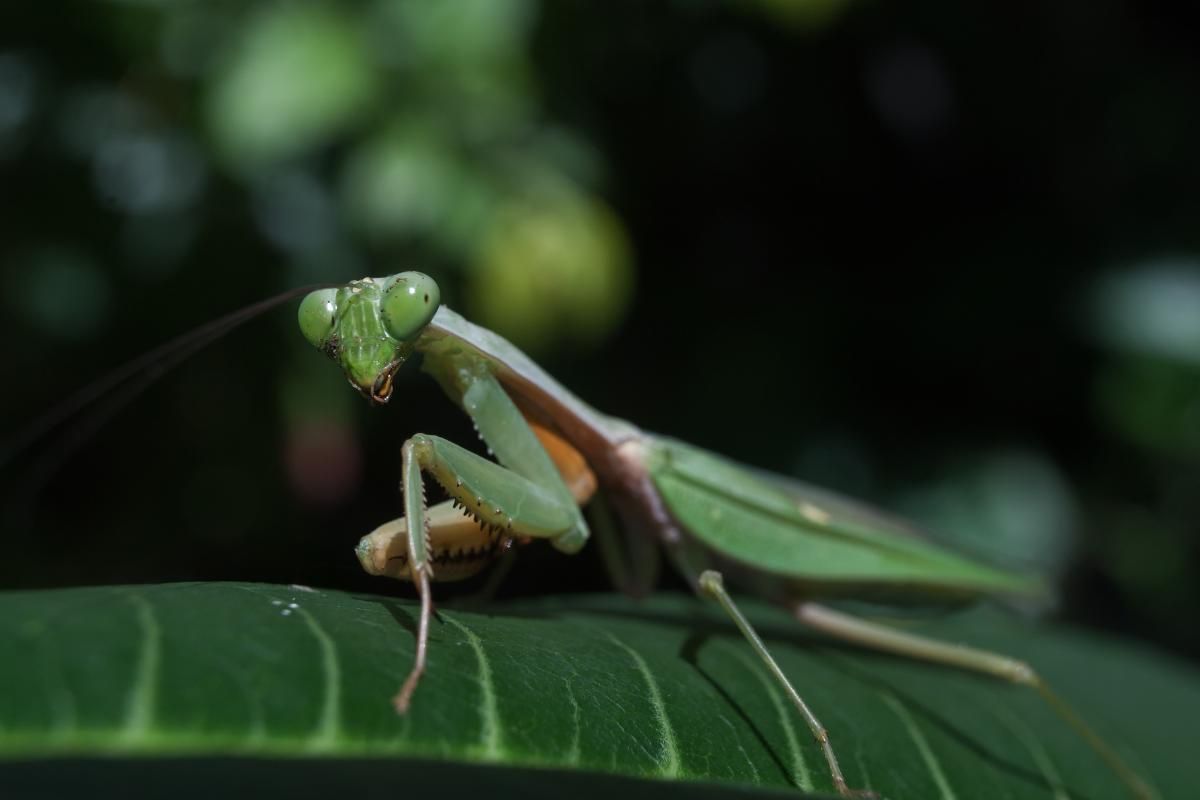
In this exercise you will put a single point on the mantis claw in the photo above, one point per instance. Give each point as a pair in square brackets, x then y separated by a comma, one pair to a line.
[844, 790]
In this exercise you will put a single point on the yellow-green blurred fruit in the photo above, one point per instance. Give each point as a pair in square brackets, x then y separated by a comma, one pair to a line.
[551, 272]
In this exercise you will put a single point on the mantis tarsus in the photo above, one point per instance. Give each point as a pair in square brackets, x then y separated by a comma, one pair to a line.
[786, 541]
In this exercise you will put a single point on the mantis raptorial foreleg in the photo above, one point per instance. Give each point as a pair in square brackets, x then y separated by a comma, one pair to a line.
[880, 637]
[525, 498]
[505, 505]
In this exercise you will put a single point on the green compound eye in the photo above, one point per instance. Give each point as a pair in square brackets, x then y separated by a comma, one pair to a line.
[410, 299]
[316, 315]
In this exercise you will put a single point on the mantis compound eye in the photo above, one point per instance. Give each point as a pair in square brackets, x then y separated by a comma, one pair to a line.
[316, 316]
[410, 299]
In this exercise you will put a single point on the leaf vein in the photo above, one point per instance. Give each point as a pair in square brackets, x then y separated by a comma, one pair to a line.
[143, 692]
[491, 738]
[669, 762]
[329, 721]
[738, 740]
[573, 752]
[926, 752]
[1040, 757]
[800, 773]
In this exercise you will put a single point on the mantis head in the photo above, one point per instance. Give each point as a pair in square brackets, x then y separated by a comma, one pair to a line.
[370, 326]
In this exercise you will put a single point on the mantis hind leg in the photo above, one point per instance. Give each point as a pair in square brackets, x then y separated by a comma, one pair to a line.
[711, 584]
[880, 637]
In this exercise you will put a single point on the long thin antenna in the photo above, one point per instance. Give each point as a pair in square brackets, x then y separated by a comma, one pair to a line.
[119, 387]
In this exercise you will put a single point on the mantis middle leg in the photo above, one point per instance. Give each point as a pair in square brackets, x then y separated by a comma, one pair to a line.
[712, 584]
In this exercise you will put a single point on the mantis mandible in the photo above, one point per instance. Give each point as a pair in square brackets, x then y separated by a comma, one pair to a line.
[712, 517]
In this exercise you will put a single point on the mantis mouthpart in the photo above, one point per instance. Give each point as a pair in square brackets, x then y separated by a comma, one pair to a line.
[712, 517]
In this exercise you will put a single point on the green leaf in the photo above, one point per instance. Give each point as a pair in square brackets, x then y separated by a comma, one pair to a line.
[663, 689]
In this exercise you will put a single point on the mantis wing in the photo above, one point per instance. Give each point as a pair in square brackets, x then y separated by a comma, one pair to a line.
[811, 536]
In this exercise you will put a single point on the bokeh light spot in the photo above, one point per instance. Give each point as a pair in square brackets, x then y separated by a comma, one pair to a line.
[18, 85]
[148, 173]
[299, 75]
[324, 462]
[911, 90]
[1153, 308]
[62, 292]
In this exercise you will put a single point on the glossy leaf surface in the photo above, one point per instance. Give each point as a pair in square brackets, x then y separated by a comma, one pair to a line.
[662, 690]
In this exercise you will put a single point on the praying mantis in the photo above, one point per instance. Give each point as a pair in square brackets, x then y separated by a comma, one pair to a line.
[784, 541]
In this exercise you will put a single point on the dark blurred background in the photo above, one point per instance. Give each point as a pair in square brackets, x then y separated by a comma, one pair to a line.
[942, 258]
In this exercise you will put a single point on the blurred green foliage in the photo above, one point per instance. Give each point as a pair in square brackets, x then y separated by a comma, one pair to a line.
[942, 260]
[410, 126]
[440, 140]
[298, 77]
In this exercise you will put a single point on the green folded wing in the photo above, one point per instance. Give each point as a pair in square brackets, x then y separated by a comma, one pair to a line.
[807, 534]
